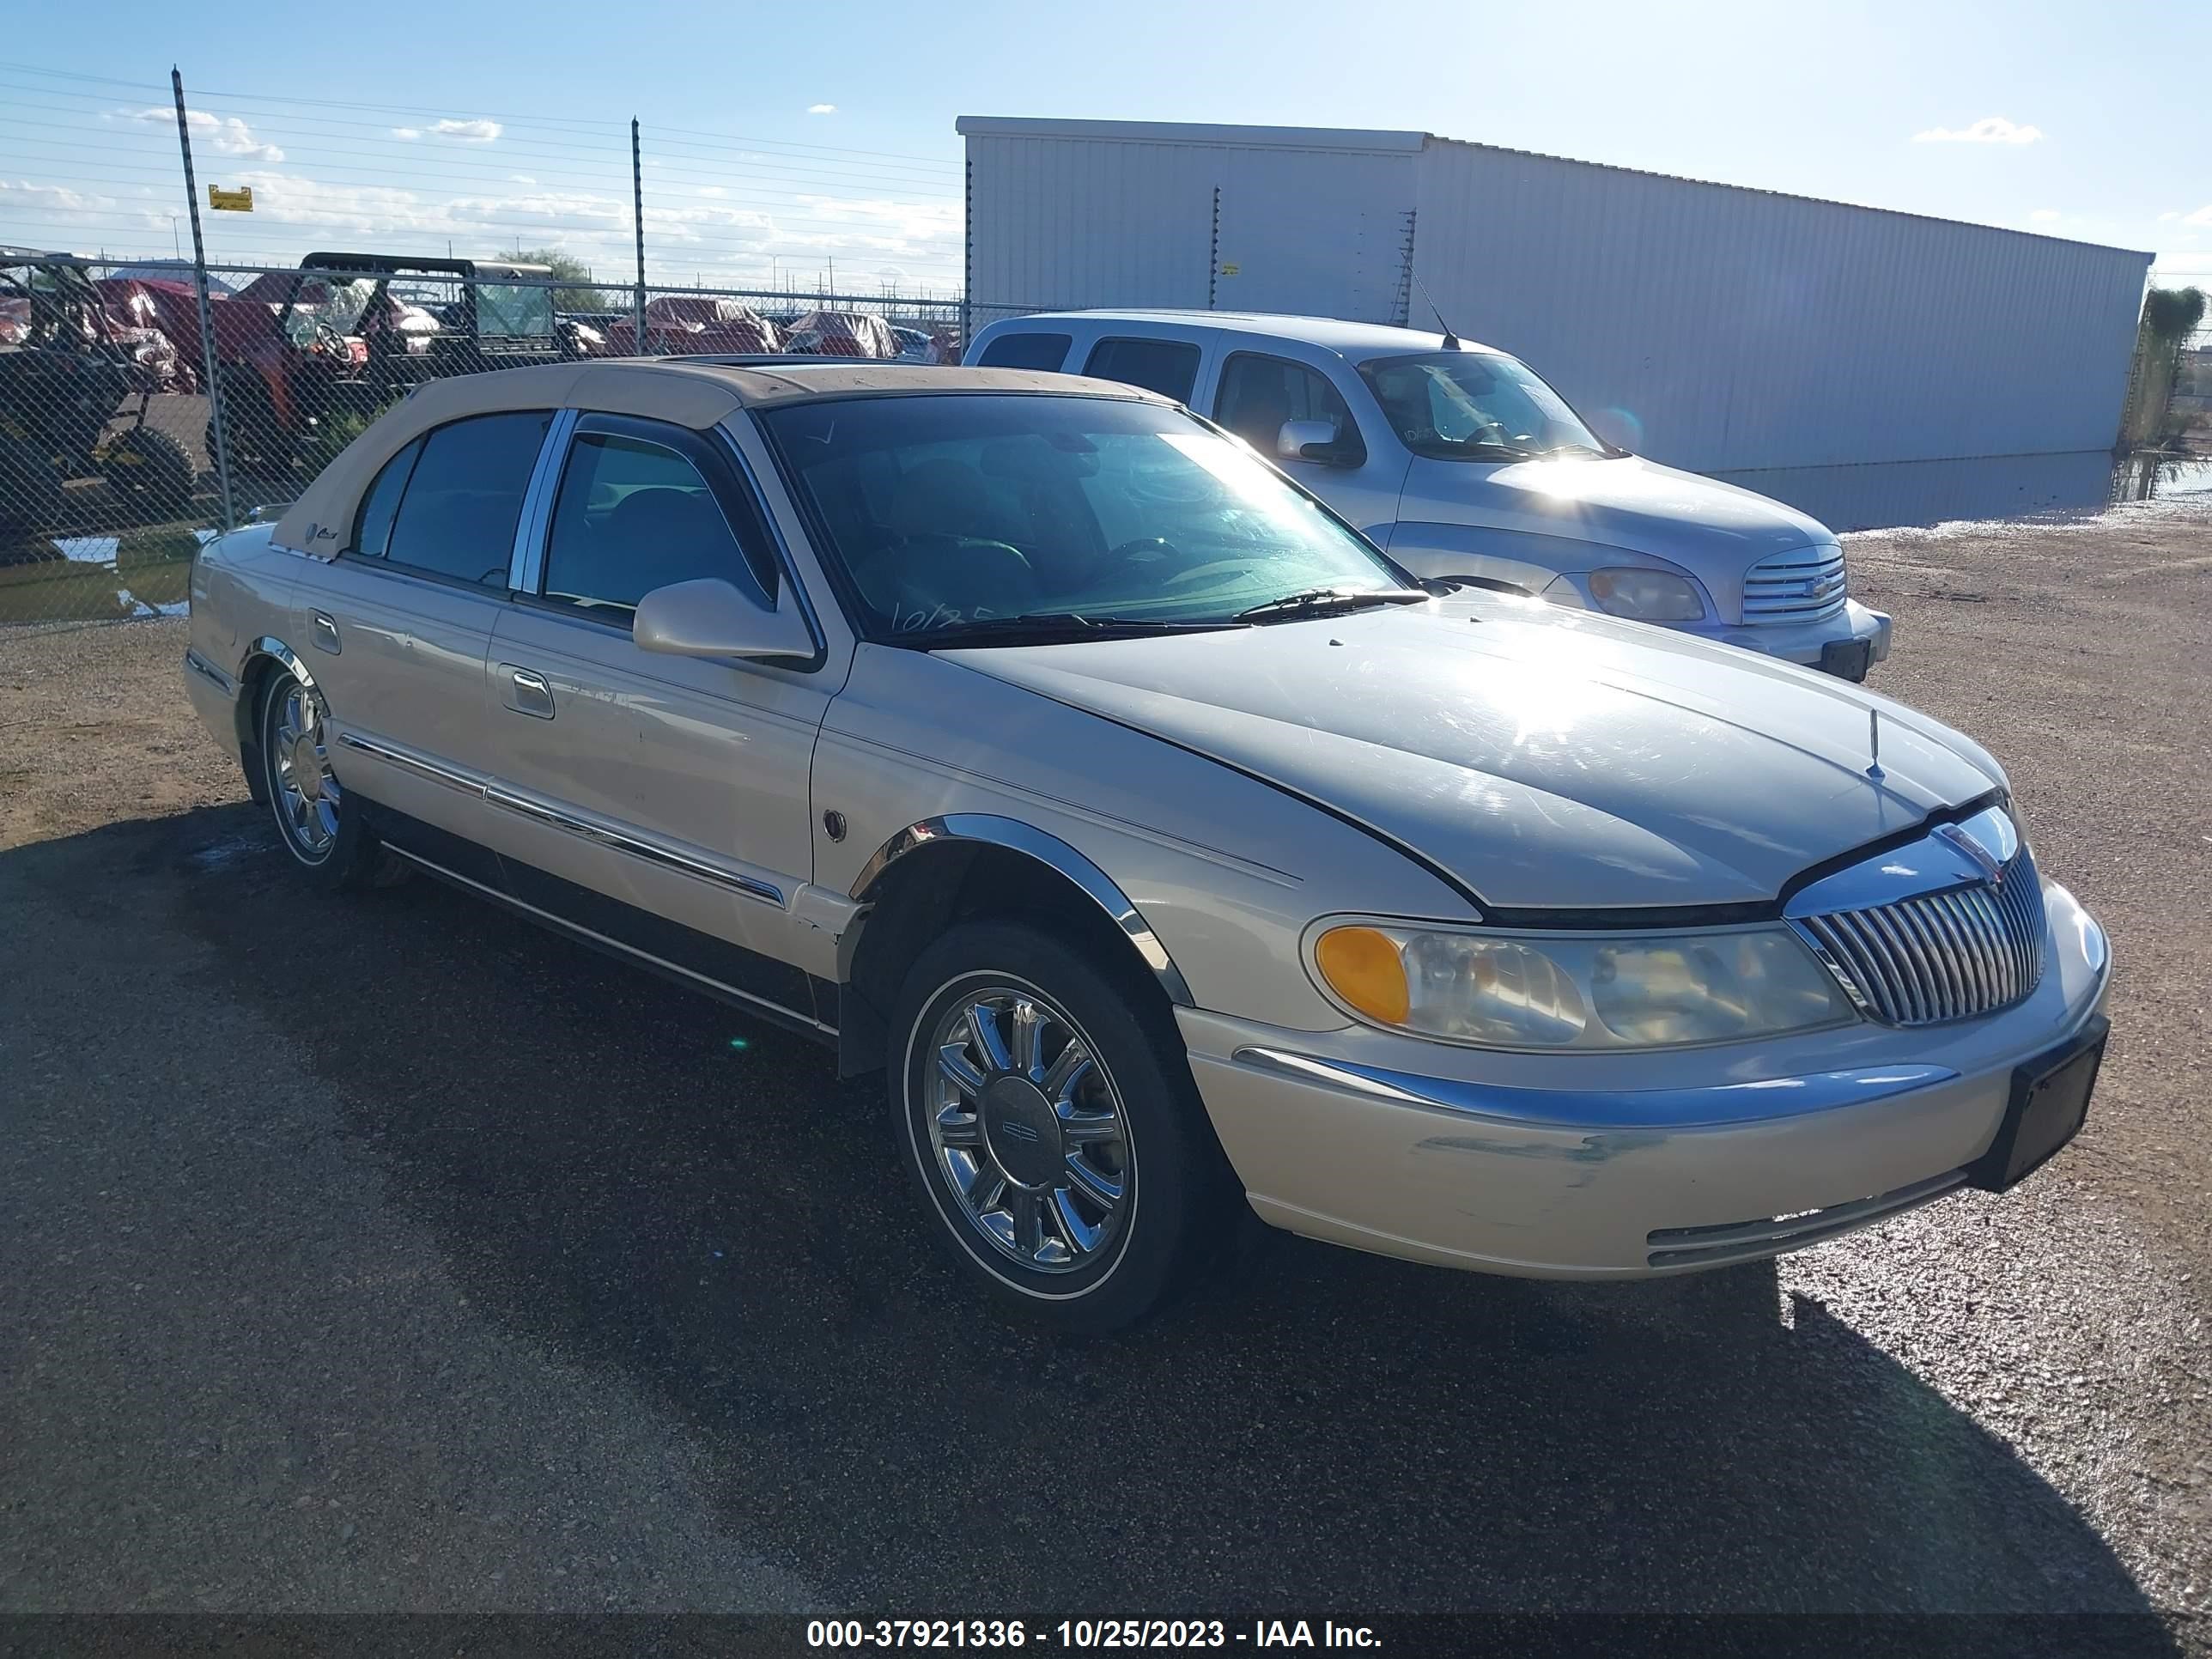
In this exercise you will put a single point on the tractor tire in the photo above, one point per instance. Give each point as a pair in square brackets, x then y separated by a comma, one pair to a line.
[31, 498]
[152, 468]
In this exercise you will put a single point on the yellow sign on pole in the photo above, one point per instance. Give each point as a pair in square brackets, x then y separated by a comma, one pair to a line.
[231, 201]
[1230, 267]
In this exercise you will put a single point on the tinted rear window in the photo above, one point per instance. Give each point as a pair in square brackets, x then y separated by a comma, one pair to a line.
[1167, 367]
[1046, 351]
[464, 498]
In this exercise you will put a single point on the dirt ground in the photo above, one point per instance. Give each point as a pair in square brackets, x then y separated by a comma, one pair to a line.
[381, 1252]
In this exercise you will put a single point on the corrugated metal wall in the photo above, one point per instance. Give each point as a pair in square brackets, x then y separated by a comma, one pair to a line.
[1306, 225]
[1735, 329]
[1747, 330]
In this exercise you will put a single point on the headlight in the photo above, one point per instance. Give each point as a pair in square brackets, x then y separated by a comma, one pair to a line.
[1646, 595]
[1599, 991]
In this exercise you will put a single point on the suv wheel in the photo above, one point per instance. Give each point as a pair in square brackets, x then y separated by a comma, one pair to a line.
[1051, 1121]
[319, 822]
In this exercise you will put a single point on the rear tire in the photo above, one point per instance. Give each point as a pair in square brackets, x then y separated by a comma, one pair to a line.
[320, 825]
[1049, 1120]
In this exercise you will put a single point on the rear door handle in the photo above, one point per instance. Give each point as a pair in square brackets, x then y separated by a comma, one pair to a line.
[326, 634]
[527, 693]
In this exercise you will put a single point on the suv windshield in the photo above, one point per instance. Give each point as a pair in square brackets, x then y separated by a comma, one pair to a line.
[948, 512]
[1475, 406]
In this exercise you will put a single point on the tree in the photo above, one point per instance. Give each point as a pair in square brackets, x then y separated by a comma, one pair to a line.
[582, 292]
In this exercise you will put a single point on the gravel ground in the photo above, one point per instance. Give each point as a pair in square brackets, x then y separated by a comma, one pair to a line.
[384, 1252]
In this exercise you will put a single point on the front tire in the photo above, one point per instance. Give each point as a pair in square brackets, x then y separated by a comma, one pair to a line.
[319, 824]
[1051, 1120]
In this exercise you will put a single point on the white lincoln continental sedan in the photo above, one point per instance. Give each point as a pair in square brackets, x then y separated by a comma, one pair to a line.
[1176, 856]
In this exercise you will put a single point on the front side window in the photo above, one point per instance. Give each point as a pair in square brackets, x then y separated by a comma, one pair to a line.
[459, 508]
[1259, 393]
[1475, 406]
[948, 511]
[1167, 367]
[1045, 351]
[632, 515]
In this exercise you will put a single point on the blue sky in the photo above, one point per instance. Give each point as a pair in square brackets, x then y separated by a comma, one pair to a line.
[782, 142]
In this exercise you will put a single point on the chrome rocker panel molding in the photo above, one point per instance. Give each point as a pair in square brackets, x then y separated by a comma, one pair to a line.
[1016, 837]
[635, 844]
[1672, 1108]
[598, 940]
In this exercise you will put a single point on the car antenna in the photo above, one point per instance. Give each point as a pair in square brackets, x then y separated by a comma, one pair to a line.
[1874, 745]
[1451, 340]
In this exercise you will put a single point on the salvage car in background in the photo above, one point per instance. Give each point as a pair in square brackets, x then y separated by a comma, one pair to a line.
[1176, 856]
[685, 323]
[1463, 463]
[841, 334]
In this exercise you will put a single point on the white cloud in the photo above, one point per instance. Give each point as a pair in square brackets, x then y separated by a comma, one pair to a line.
[408, 133]
[226, 135]
[1989, 130]
[520, 179]
[467, 132]
[2044, 217]
[822, 109]
[2201, 218]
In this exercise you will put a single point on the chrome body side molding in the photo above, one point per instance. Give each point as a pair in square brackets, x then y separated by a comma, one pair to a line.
[635, 845]
[195, 663]
[1047, 849]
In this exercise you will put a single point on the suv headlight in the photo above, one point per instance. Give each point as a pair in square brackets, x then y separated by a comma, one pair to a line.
[1566, 991]
[1644, 595]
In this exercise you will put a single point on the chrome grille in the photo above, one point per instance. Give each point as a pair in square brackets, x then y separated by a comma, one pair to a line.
[1939, 957]
[1805, 584]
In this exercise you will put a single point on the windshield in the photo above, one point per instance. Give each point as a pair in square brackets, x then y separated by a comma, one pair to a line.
[1475, 406]
[513, 311]
[947, 512]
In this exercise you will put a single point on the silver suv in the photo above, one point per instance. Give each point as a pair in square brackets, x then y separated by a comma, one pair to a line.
[1462, 463]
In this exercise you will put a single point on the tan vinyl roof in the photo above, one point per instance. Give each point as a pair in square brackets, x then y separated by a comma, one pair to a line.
[697, 393]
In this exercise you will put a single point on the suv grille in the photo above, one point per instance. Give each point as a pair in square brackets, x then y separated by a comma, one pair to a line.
[1805, 584]
[1941, 956]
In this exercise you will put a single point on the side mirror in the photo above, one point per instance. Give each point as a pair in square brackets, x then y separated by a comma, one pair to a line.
[710, 617]
[1309, 440]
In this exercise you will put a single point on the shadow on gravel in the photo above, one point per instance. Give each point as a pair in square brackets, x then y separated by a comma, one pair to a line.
[642, 1180]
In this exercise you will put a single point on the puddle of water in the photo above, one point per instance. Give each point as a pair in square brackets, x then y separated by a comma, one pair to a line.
[1924, 493]
[140, 573]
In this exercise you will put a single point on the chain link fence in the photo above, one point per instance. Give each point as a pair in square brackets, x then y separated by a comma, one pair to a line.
[128, 433]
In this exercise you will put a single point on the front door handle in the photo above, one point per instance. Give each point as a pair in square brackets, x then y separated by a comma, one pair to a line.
[527, 693]
[325, 634]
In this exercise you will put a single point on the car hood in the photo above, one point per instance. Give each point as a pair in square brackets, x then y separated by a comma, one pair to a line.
[1548, 759]
[1715, 530]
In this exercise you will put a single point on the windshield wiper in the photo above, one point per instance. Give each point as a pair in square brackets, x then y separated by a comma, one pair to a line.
[1048, 625]
[1327, 601]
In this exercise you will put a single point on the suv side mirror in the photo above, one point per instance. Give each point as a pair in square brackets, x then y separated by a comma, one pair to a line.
[1313, 441]
[710, 617]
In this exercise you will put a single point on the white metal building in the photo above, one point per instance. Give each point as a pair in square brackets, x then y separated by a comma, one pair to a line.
[1734, 330]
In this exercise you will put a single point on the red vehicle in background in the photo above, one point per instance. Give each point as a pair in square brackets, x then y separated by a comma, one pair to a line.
[680, 324]
[841, 334]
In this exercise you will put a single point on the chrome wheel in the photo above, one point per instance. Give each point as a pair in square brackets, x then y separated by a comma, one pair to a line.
[301, 787]
[1026, 1129]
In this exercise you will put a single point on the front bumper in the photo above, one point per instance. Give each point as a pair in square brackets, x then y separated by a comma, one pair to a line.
[1554, 1167]
[1805, 644]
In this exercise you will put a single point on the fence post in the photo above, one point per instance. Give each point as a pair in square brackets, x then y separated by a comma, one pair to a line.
[209, 356]
[1213, 249]
[637, 205]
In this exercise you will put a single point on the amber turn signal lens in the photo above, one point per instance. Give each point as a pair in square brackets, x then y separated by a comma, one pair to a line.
[1362, 965]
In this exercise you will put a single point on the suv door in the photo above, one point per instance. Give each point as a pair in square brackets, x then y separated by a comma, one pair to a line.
[1257, 391]
[660, 800]
[395, 628]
